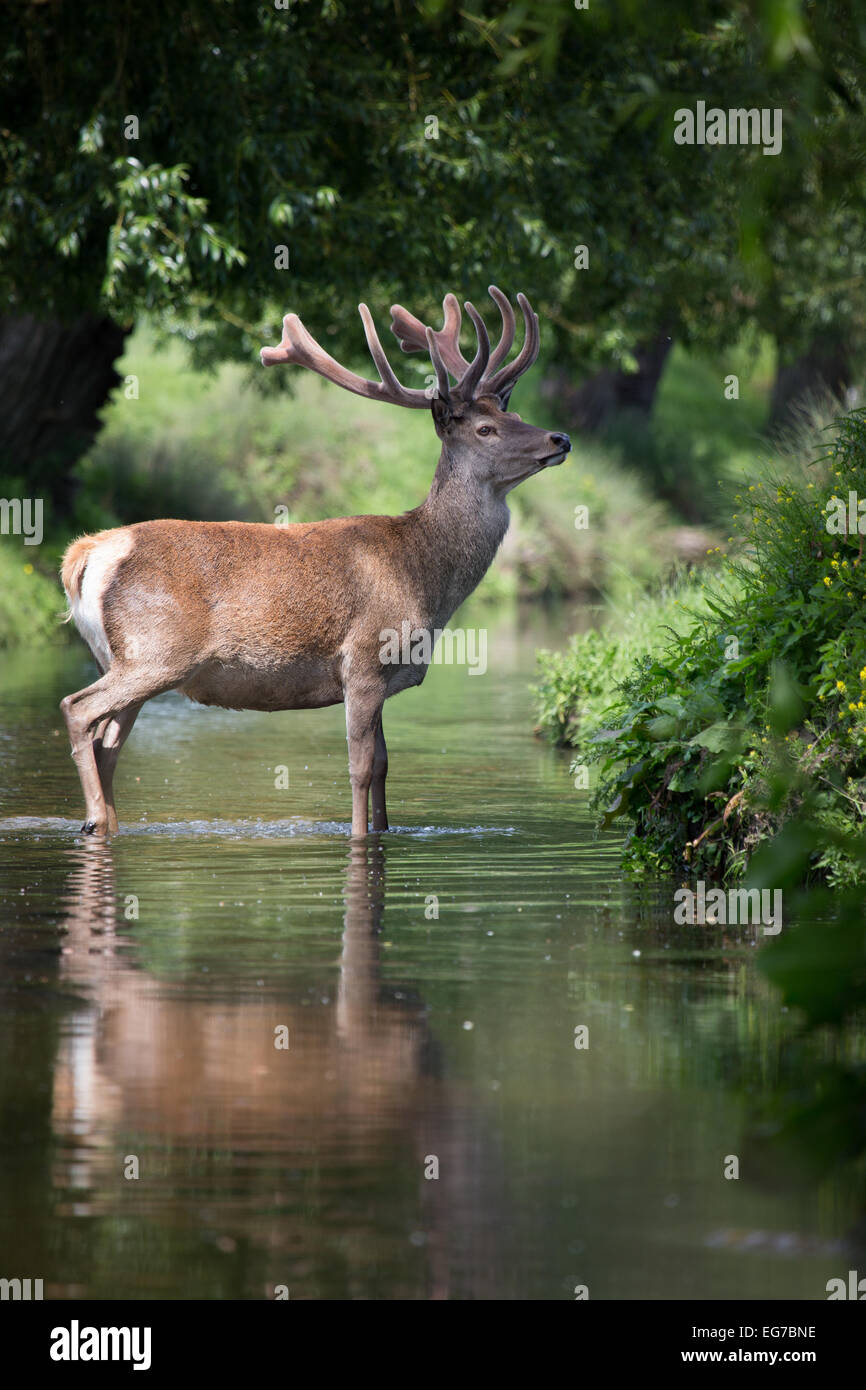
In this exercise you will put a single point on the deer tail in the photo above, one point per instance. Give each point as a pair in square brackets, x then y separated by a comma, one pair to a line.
[74, 565]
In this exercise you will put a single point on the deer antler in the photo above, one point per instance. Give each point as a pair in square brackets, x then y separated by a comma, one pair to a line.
[502, 383]
[494, 379]
[411, 334]
[483, 376]
[299, 346]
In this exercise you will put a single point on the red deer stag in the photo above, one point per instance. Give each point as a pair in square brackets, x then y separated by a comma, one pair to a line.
[272, 617]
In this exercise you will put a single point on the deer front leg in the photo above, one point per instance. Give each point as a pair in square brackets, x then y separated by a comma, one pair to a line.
[363, 725]
[380, 772]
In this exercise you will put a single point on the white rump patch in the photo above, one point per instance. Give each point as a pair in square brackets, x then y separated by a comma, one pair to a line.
[98, 574]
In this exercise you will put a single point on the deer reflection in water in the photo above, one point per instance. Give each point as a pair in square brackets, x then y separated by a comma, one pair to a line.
[315, 1156]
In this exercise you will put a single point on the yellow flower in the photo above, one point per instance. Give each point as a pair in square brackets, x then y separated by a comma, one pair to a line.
[851, 705]
[840, 685]
[834, 564]
[827, 579]
[28, 569]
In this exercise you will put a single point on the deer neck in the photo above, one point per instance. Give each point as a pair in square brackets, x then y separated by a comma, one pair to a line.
[461, 526]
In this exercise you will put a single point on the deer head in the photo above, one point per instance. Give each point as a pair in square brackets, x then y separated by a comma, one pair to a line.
[483, 442]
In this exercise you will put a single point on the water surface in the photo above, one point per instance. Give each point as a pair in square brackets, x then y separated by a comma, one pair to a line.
[428, 984]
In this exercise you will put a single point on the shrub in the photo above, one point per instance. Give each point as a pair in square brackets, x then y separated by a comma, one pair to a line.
[31, 603]
[772, 667]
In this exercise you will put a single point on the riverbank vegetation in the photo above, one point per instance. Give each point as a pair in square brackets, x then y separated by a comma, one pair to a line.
[721, 711]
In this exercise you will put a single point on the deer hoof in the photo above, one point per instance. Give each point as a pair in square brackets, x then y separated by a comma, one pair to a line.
[89, 827]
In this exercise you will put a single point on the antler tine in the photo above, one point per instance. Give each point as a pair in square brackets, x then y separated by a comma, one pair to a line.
[300, 347]
[448, 336]
[501, 351]
[377, 352]
[475, 372]
[502, 384]
[442, 381]
[411, 334]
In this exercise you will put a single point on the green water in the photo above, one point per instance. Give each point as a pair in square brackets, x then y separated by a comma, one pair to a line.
[144, 984]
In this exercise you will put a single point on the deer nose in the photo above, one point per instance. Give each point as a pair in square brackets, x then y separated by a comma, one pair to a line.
[561, 441]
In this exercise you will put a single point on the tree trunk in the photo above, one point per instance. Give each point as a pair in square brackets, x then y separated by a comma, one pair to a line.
[54, 378]
[598, 401]
[822, 371]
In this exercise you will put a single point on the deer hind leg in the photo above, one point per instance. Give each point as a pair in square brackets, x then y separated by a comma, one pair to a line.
[363, 727]
[109, 738]
[377, 786]
[83, 753]
[114, 699]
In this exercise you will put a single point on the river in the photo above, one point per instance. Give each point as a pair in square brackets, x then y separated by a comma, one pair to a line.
[244, 1058]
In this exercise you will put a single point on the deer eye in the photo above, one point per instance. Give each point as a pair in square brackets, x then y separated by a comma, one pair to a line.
[485, 429]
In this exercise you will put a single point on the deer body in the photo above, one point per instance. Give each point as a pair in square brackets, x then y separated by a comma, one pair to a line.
[269, 617]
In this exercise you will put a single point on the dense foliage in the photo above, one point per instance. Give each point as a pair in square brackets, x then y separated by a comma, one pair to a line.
[308, 124]
[717, 735]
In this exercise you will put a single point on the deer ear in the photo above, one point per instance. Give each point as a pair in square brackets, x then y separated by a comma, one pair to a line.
[442, 413]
